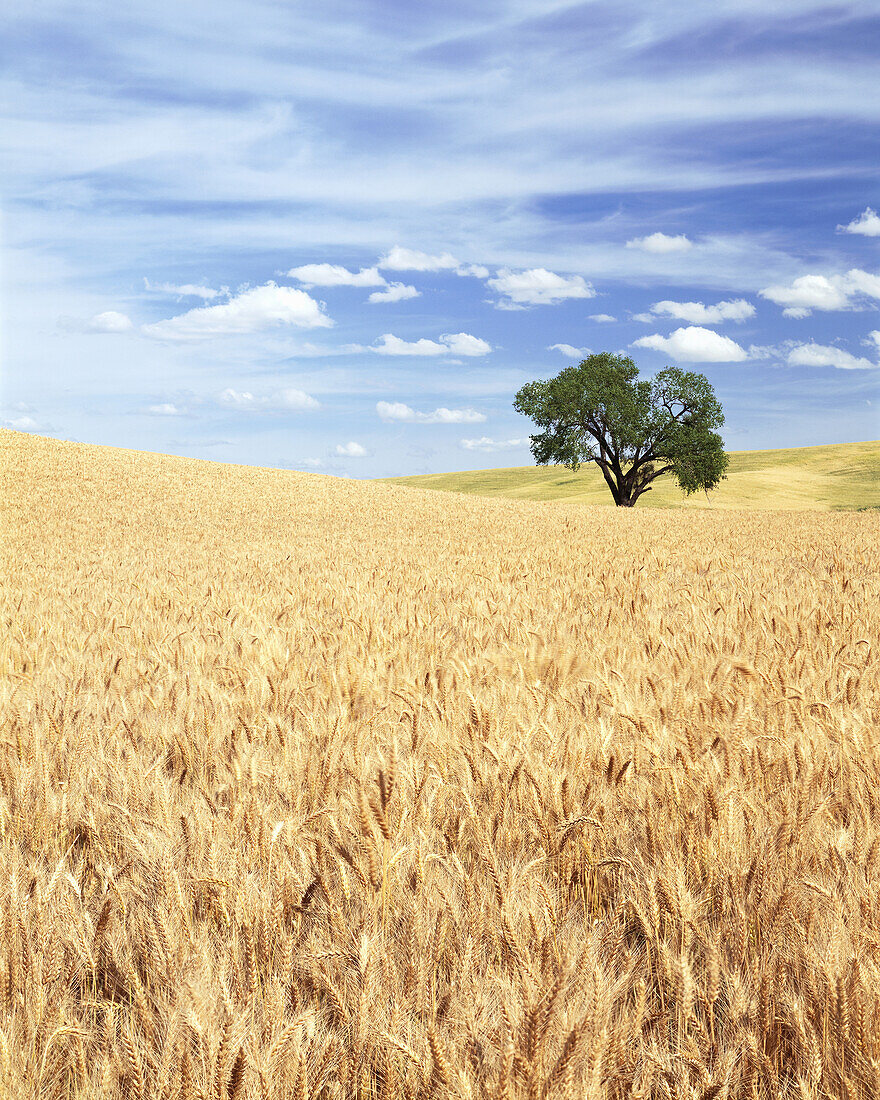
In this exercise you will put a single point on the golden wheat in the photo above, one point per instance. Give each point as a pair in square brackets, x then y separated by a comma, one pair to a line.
[317, 789]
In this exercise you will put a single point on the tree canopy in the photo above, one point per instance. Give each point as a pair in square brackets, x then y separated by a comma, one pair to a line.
[634, 430]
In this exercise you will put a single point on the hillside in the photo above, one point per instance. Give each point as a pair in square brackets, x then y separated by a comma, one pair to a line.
[315, 788]
[840, 475]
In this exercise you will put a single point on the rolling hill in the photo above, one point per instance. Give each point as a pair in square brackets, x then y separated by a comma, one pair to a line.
[835, 476]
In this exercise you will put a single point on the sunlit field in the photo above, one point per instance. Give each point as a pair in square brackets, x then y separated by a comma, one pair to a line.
[320, 788]
[839, 475]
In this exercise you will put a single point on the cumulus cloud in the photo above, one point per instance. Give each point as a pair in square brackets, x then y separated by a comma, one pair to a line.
[537, 287]
[487, 444]
[570, 351]
[111, 321]
[351, 450]
[335, 275]
[396, 410]
[867, 224]
[258, 309]
[462, 343]
[396, 292]
[185, 290]
[408, 259]
[286, 400]
[695, 345]
[459, 343]
[807, 293]
[661, 243]
[823, 355]
[602, 318]
[644, 318]
[737, 309]
[837, 292]
[164, 409]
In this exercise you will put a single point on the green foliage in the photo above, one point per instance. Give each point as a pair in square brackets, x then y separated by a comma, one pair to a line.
[599, 411]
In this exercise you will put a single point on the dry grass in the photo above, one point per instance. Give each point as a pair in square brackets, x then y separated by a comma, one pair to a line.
[838, 475]
[314, 788]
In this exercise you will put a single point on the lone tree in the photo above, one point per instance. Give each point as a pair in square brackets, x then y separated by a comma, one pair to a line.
[633, 430]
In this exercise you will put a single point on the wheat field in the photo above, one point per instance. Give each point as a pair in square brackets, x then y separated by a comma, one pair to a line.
[315, 788]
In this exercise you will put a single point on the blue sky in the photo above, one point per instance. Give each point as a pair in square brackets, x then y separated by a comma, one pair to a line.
[340, 236]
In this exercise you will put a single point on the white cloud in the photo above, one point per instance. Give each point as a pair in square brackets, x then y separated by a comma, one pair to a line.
[867, 224]
[807, 293]
[165, 409]
[873, 338]
[821, 355]
[602, 318]
[184, 290]
[22, 424]
[644, 318]
[351, 450]
[570, 351]
[393, 345]
[837, 292]
[396, 292]
[285, 400]
[460, 343]
[255, 310]
[695, 345]
[737, 309]
[486, 444]
[661, 243]
[537, 287]
[335, 275]
[408, 259]
[396, 410]
[312, 463]
[862, 282]
[111, 321]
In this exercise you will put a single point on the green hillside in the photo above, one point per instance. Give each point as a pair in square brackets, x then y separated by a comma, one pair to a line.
[839, 475]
